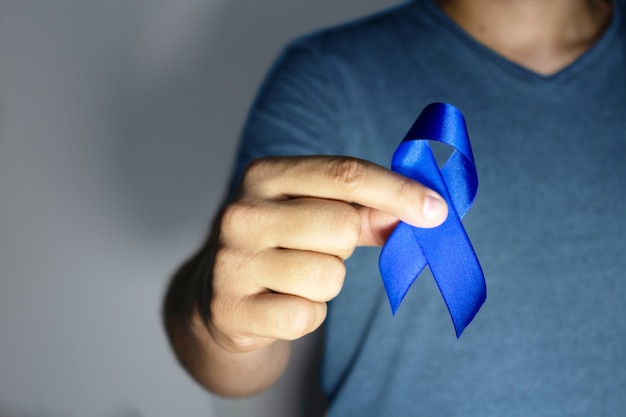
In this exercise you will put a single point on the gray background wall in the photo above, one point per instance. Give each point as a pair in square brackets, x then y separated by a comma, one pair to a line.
[118, 123]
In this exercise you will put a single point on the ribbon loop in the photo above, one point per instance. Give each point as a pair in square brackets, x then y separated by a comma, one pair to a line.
[446, 249]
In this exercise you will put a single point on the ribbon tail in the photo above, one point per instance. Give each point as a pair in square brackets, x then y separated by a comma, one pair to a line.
[455, 268]
[401, 261]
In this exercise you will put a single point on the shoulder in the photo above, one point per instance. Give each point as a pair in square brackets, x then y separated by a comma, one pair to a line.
[361, 38]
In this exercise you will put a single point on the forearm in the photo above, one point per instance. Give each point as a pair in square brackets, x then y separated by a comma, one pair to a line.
[219, 370]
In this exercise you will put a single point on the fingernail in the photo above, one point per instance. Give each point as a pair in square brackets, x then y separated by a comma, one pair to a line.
[432, 207]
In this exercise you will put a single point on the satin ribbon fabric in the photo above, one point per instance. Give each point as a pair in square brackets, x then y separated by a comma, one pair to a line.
[446, 249]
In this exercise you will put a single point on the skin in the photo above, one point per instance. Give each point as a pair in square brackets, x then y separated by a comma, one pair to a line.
[276, 254]
[542, 35]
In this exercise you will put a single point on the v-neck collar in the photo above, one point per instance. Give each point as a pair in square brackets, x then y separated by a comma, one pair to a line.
[579, 64]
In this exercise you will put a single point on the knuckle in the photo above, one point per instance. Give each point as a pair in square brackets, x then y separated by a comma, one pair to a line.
[258, 170]
[221, 312]
[223, 262]
[334, 275]
[302, 320]
[349, 173]
[233, 269]
[255, 168]
[347, 229]
[325, 278]
[233, 215]
[350, 223]
[237, 219]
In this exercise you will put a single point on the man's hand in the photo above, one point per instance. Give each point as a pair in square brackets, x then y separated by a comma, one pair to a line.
[283, 242]
[276, 257]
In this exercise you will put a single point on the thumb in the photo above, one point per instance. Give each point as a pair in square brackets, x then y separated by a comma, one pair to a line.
[377, 225]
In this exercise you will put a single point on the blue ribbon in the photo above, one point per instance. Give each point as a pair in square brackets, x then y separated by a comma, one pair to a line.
[446, 249]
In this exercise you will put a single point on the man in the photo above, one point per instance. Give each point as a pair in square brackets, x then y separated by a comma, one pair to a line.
[542, 85]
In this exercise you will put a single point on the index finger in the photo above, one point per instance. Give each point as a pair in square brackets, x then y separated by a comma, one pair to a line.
[347, 179]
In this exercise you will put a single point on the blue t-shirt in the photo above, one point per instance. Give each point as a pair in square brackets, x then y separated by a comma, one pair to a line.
[548, 224]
